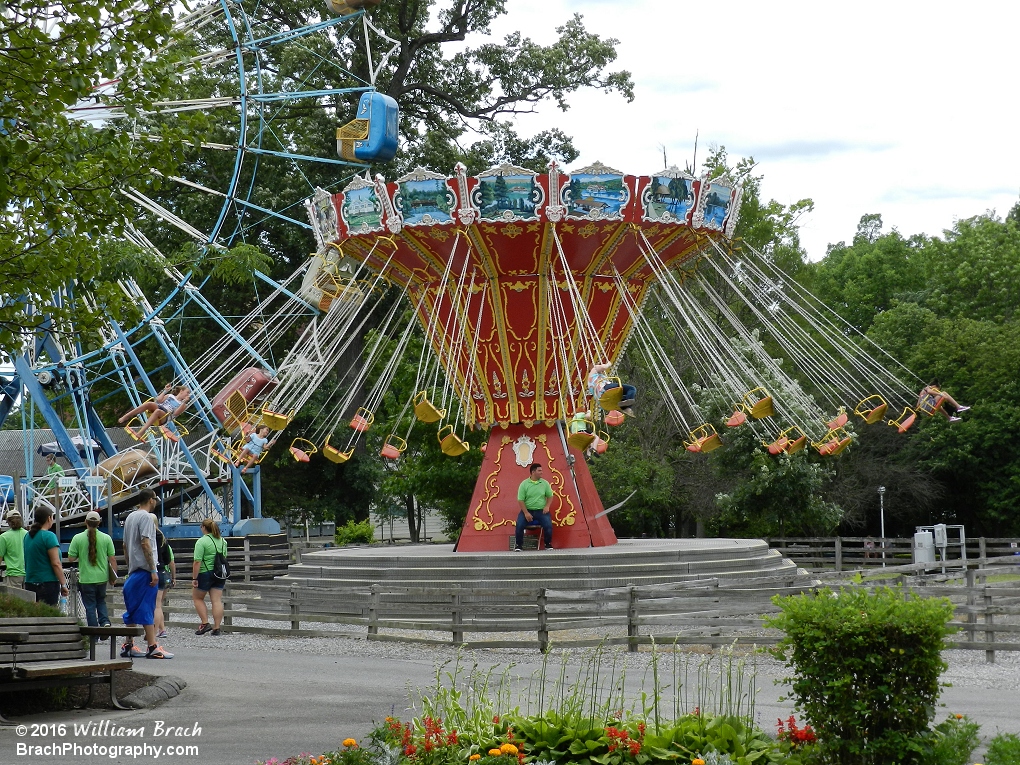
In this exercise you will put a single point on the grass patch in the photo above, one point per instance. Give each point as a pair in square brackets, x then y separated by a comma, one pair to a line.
[16, 608]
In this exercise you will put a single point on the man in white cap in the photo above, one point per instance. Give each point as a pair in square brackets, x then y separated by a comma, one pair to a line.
[12, 549]
[93, 551]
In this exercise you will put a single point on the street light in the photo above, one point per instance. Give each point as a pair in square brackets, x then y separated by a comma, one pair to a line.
[881, 509]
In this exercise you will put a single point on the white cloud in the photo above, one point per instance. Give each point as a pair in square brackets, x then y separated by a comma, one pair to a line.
[906, 109]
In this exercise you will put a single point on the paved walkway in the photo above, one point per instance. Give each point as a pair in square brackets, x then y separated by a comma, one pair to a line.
[258, 704]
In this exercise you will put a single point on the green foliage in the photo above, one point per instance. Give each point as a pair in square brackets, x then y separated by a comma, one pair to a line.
[352, 533]
[11, 607]
[59, 191]
[866, 669]
[952, 741]
[1004, 749]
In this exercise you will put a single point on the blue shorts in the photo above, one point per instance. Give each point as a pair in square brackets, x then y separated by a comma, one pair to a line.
[206, 582]
[139, 598]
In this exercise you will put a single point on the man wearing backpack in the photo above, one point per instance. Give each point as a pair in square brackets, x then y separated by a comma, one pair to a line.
[209, 574]
[140, 586]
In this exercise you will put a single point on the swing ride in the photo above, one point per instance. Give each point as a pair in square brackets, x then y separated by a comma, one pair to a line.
[523, 285]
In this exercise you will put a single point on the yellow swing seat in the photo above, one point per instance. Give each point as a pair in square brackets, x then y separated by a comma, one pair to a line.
[333, 454]
[904, 422]
[871, 409]
[230, 456]
[703, 439]
[393, 447]
[450, 443]
[276, 420]
[834, 442]
[362, 420]
[797, 439]
[839, 420]
[302, 449]
[425, 410]
[580, 432]
[758, 403]
[611, 397]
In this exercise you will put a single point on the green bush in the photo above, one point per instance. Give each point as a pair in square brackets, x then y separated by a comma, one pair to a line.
[12, 607]
[953, 740]
[1004, 749]
[352, 533]
[866, 670]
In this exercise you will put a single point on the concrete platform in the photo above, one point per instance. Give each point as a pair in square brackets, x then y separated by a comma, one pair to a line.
[630, 562]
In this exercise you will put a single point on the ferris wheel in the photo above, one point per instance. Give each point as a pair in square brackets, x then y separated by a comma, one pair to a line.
[231, 73]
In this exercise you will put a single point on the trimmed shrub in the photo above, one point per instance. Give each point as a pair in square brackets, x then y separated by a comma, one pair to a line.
[352, 533]
[15, 608]
[866, 669]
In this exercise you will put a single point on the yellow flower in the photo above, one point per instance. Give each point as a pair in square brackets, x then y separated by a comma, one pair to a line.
[349, 742]
[697, 761]
[508, 749]
[494, 753]
[475, 757]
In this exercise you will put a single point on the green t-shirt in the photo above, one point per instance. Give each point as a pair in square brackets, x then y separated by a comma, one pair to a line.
[206, 549]
[79, 548]
[56, 472]
[12, 550]
[37, 558]
[534, 493]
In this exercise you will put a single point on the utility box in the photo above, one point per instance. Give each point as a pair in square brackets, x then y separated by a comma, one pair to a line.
[941, 535]
[924, 547]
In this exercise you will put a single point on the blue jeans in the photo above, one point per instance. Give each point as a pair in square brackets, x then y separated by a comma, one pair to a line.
[538, 518]
[629, 391]
[93, 596]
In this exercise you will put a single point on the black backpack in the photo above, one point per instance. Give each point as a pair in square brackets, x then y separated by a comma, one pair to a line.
[220, 566]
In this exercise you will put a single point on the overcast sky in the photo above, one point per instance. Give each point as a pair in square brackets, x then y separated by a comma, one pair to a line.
[907, 109]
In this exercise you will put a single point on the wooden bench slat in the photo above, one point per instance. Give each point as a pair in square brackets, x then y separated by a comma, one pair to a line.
[33, 621]
[53, 637]
[35, 656]
[71, 667]
[42, 649]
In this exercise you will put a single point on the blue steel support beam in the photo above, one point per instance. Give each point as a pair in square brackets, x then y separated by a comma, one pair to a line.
[195, 294]
[273, 213]
[294, 95]
[280, 288]
[126, 344]
[294, 34]
[35, 390]
[256, 488]
[307, 158]
[10, 392]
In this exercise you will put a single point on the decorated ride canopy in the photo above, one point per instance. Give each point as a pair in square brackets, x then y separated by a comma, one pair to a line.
[523, 281]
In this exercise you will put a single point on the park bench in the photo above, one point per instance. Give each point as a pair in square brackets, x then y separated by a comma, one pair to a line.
[55, 651]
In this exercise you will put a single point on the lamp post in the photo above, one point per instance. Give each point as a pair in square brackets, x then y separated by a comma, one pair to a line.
[881, 510]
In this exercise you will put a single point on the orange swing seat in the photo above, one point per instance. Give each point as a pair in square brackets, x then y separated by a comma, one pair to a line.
[393, 447]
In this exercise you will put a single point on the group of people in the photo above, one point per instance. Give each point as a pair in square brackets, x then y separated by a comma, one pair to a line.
[32, 558]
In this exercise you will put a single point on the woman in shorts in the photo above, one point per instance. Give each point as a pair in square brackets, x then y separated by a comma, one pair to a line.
[202, 581]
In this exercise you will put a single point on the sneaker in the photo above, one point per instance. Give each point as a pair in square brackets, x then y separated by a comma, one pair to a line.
[129, 651]
[157, 652]
[955, 419]
[629, 402]
[629, 412]
[162, 634]
[549, 547]
[518, 549]
[216, 632]
[962, 409]
[203, 629]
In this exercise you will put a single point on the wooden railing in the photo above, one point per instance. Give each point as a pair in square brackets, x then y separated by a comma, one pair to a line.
[843, 553]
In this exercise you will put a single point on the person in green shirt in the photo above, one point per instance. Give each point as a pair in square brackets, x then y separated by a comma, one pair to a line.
[202, 581]
[53, 471]
[534, 497]
[96, 558]
[43, 573]
[12, 550]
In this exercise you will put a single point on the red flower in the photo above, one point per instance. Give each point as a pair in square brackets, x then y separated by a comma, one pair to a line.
[641, 729]
[495, 720]
[410, 750]
[635, 747]
[451, 738]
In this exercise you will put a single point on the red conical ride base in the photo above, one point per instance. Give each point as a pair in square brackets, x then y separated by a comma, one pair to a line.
[492, 514]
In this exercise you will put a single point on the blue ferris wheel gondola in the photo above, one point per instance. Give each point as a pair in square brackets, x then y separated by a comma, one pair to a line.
[372, 135]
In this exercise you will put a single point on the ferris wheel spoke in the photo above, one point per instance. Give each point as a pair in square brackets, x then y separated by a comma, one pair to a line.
[236, 200]
[289, 95]
[259, 43]
[303, 157]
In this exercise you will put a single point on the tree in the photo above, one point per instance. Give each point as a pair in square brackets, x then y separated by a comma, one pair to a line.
[59, 189]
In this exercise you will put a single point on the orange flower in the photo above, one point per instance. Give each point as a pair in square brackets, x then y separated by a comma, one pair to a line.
[475, 757]
[350, 742]
[697, 761]
[959, 717]
[508, 749]
[494, 753]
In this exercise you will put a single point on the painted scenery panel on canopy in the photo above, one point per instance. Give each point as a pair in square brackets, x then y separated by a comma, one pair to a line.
[669, 199]
[596, 196]
[361, 210]
[426, 202]
[506, 197]
[717, 204]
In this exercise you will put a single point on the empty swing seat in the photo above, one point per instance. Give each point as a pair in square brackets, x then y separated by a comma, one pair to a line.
[372, 135]
[601, 442]
[758, 403]
[425, 410]
[703, 440]
[336, 455]
[450, 443]
[362, 420]
[871, 409]
[904, 422]
[796, 445]
[302, 449]
[736, 419]
[615, 418]
[778, 446]
[839, 421]
[393, 447]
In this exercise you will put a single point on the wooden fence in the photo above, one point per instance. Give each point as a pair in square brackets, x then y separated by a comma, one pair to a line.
[842, 553]
[705, 612]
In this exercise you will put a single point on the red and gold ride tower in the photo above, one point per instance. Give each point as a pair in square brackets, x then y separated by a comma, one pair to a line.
[522, 282]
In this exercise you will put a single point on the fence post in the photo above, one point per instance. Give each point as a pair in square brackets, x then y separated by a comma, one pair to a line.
[970, 579]
[839, 554]
[247, 560]
[543, 622]
[632, 617]
[989, 621]
[456, 617]
[373, 611]
[982, 551]
[227, 619]
[295, 609]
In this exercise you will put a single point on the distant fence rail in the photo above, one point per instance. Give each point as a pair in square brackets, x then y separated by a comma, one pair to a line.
[843, 553]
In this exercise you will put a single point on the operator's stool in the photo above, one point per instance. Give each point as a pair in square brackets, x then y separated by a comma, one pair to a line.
[532, 539]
